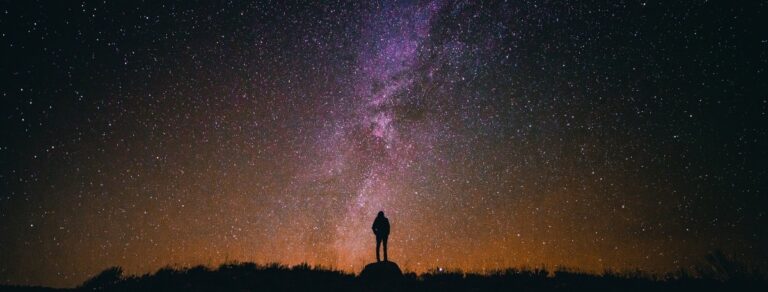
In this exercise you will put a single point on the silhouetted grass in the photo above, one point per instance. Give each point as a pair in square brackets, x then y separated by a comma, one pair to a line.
[720, 273]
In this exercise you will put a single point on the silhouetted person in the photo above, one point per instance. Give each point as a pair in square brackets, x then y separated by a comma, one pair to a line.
[381, 229]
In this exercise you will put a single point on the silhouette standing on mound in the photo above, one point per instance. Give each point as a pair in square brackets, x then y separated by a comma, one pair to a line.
[381, 230]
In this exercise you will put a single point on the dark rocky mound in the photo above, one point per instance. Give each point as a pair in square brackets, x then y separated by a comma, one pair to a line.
[381, 276]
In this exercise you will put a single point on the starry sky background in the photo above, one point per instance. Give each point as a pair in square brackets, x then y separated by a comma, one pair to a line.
[589, 134]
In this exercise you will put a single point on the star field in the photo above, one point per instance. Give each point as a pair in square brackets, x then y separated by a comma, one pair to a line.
[593, 135]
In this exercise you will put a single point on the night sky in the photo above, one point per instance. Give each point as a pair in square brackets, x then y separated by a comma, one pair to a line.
[594, 135]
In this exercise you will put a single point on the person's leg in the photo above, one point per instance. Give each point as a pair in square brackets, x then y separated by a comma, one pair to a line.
[385, 248]
[378, 244]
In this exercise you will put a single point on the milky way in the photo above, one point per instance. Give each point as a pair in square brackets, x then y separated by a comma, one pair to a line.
[619, 135]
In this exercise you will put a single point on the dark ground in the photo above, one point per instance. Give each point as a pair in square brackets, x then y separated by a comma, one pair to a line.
[275, 277]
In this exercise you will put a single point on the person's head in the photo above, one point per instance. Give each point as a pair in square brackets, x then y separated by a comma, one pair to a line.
[381, 214]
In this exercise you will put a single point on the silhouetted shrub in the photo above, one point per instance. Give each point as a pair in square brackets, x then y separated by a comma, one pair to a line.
[723, 275]
[104, 280]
